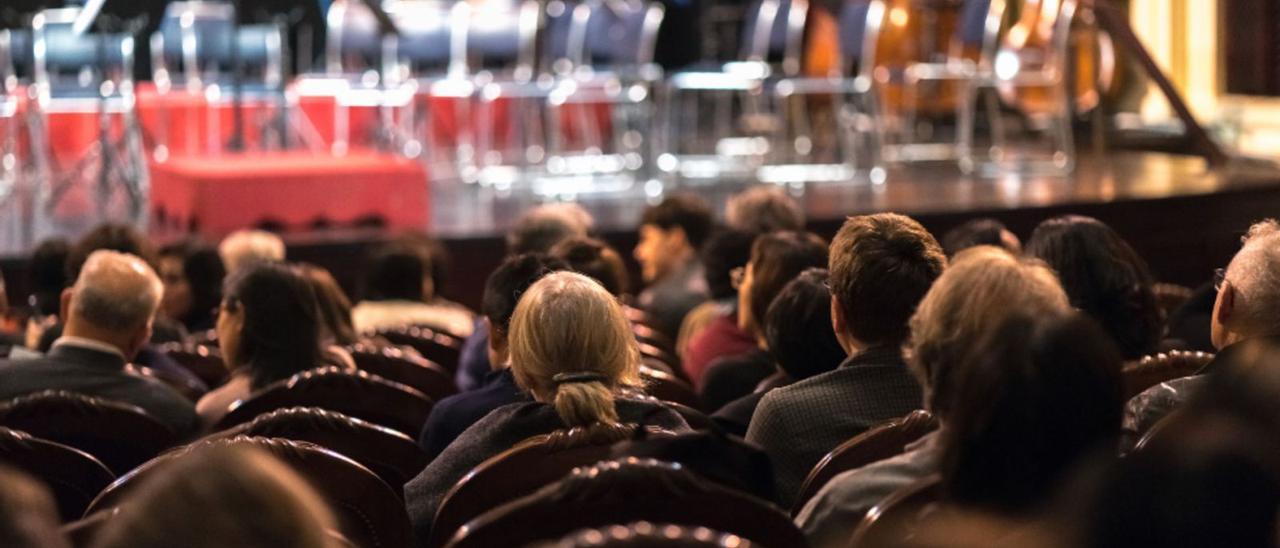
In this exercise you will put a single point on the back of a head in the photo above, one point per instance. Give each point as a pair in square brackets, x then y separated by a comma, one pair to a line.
[115, 292]
[221, 496]
[243, 247]
[281, 331]
[777, 258]
[685, 211]
[798, 327]
[881, 265]
[398, 272]
[1039, 395]
[1104, 277]
[48, 272]
[983, 286]
[28, 515]
[115, 237]
[511, 279]
[542, 227]
[984, 231]
[204, 272]
[1254, 272]
[334, 306]
[595, 259]
[725, 250]
[762, 209]
[571, 345]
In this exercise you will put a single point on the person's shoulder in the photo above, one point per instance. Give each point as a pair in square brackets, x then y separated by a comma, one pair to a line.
[801, 390]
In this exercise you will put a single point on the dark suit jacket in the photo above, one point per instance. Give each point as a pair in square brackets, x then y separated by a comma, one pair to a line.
[798, 424]
[99, 374]
[730, 378]
[451, 416]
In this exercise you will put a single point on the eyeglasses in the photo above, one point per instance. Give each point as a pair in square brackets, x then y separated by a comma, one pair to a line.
[1219, 278]
[736, 275]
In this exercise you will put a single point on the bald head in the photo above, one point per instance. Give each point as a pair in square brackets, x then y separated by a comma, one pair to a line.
[1250, 303]
[113, 300]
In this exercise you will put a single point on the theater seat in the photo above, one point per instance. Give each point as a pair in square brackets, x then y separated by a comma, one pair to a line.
[357, 394]
[643, 534]
[119, 435]
[393, 456]
[82, 532]
[667, 387]
[434, 344]
[185, 386]
[881, 442]
[406, 368]
[369, 513]
[523, 469]
[624, 491]
[1165, 366]
[651, 336]
[202, 361]
[891, 521]
[72, 475]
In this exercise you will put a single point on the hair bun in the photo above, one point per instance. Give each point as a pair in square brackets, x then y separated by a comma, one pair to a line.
[578, 376]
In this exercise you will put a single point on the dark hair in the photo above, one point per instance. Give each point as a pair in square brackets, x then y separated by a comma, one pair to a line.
[113, 236]
[512, 278]
[541, 228]
[596, 260]
[1103, 277]
[776, 259]
[881, 266]
[1038, 396]
[724, 251]
[203, 269]
[332, 303]
[798, 327]
[397, 272]
[983, 231]
[281, 332]
[439, 261]
[49, 275]
[685, 211]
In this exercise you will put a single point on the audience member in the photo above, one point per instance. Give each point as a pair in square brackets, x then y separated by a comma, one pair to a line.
[48, 277]
[397, 290]
[108, 317]
[762, 209]
[113, 237]
[333, 304]
[243, 247]
[571, 347]
[218, 497]
[798, 334]
[983, 231]
[28, 515]
[982, 288]
[268, 329]
[881, 266]
[1247, 308]
[537, 231]
[192, 274]
[9, 334]
[596, 260]
[1104, 277]
[671, 235]
[776, 259]
[711, 329]
[452, 415]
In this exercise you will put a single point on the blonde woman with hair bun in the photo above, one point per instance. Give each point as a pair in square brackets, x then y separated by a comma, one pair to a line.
[572, 349]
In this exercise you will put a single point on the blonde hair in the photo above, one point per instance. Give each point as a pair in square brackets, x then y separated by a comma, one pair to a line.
[982, 287]
[246, 246]
[571, 345]
[222, 496]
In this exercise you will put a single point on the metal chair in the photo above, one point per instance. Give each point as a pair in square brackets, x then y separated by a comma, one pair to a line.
[773, 35]
[84, 178]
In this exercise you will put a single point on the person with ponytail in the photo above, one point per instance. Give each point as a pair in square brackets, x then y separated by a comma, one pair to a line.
[571, 347]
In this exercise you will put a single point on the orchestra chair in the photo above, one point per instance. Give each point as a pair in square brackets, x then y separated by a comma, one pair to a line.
[204, 361]
[354, 393]
[891, 522]
[186, 386]
[650, 535]
[406, 368]
[1164, 366]
[667, 387]
[881, 442]
[623, 491]
[525, 468]
[368, 511]
[72, 475]
[736, 140]
[439, 347]
[119, 435]
[392, 455]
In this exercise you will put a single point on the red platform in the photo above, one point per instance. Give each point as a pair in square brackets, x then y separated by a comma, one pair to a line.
[214, 196]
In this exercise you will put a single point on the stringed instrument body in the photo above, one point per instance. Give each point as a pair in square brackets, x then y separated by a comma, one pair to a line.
[913, 32]
[1035, 42]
